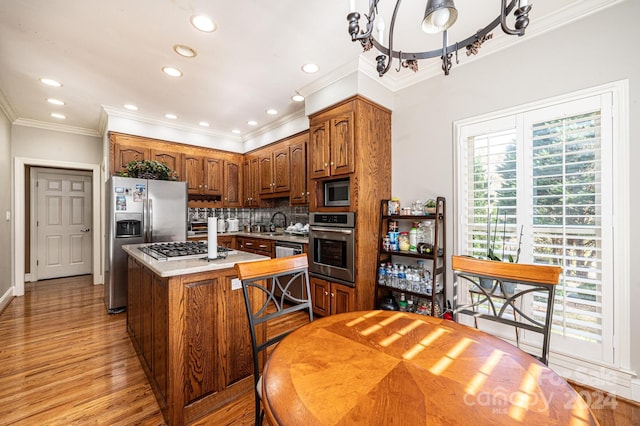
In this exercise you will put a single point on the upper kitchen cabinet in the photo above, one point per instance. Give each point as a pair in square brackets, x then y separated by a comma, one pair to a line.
[172, 159]
[251, 185]
[332, 137]
[298, 169]
[124, 149]
[232, 190]
[273, 165]
[204, 175]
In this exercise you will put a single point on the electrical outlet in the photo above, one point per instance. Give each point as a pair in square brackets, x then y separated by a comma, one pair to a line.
[236, 284]
[8, 216]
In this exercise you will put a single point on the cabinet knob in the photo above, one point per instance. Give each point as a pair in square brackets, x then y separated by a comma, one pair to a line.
[199, 186]
[307, 192]
[326, 293]
[332, 163]
[325, 164]
[206, 186]
[333, 295]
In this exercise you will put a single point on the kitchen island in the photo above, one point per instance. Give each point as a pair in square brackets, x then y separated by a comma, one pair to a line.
[188, 324]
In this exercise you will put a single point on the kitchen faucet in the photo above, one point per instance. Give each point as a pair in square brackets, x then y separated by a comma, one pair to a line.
[284, 224]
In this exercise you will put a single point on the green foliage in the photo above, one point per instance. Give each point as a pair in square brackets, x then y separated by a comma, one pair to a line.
[149, 169]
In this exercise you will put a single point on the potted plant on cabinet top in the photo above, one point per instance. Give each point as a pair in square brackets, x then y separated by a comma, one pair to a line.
[149, 169]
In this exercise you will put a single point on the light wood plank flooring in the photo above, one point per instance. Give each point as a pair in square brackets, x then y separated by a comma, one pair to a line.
[65, 361]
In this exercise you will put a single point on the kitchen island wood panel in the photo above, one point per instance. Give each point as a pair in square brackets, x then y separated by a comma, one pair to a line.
[190, 332]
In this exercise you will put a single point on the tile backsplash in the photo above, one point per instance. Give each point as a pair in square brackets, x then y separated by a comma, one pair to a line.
[259, 216]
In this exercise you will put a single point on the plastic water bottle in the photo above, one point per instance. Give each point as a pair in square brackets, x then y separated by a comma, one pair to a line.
[402, 278]
[382, 273]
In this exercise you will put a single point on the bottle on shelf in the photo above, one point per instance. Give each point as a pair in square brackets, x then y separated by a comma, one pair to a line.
[402, 304]
[382, 272]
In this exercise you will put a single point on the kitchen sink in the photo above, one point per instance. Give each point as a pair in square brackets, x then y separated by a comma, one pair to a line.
[271, 234]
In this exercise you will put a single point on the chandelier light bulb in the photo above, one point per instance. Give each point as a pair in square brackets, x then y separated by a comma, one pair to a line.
[440, 17]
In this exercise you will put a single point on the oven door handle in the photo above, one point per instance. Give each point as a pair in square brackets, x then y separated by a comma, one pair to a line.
[335, 230]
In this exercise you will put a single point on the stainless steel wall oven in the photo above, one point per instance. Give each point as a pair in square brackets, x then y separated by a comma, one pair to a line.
[332, 246]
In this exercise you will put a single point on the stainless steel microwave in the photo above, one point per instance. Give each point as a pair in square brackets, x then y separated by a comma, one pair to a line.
[337, 193]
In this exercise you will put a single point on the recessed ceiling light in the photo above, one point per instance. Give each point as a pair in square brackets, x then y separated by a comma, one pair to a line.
[171, 116]
[203, 23]
[131, 107]
[55, 101]
[236, 131]
[272, 111]
[172, 71]
[185, 51]
[204, 124]
[50, 82]
[252, 123]
[310, 68]
[297, 98]
[58, 115]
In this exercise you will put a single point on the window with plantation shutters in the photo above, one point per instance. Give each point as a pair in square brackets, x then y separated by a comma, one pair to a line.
[536, 185]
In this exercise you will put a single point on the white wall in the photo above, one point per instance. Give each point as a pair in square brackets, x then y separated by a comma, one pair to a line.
[592, 51]
[5, 206]
[31, 142]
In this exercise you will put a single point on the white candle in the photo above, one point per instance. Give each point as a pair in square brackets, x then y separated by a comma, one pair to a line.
[352, 5]
[212, 238]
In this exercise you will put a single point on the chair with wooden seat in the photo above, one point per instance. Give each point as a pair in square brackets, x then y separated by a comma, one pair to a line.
[501, 300]
[276, 294]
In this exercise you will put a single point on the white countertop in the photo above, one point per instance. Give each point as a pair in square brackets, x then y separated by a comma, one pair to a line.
[172, 268]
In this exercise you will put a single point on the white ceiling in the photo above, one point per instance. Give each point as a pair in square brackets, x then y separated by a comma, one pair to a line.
[110, 52]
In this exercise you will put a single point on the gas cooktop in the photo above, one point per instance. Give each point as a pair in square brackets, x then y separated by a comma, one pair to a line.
[182, 250]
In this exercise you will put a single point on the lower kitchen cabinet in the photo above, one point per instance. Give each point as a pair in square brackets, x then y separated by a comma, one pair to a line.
[256, 245]
[192, 339]
[330, 298]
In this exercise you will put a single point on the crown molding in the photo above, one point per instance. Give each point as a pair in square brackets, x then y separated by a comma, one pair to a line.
[275, 124]
[6, 108]
[26, 122]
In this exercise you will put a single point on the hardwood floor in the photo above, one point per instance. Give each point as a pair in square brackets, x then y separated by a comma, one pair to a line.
[65, 361]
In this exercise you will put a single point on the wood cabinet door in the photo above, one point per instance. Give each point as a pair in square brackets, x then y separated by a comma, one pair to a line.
[232, 194]
[265, 168]
[342, 145]
[146, 315]
[342, 299]
[280, 173]
[133, 300]
[171, 159]
[298, 168]
[159, 342]
[320, 296]
[254, 165]
[201, 321]
[319, 150]
[213, 176]
[251, 182]
[193, 173]
[124, 154]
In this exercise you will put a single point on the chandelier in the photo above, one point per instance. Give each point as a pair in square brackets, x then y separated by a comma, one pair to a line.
[438, 17]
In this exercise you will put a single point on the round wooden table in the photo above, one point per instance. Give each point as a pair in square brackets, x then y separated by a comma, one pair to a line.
[398, 368]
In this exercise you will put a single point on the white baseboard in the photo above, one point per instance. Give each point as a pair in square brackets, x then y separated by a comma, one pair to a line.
[27, 278]
[5, 299]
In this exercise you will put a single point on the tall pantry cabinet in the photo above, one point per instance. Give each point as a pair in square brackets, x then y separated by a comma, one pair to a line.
[352, 140]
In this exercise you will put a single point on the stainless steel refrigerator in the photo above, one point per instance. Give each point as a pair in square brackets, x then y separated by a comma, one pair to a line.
[139, 211]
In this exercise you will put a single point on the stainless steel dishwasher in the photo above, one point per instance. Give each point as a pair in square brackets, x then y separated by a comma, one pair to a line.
[284, 249]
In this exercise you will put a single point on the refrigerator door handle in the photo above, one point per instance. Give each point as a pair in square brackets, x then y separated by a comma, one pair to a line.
[150, 220]
[145, 221]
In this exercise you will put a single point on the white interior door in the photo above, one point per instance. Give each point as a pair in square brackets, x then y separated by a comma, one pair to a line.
[63, 223]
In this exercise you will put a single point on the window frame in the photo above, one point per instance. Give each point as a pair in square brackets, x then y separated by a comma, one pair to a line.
[619, 188]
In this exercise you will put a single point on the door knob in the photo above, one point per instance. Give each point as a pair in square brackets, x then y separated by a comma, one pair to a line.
[85, 230]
